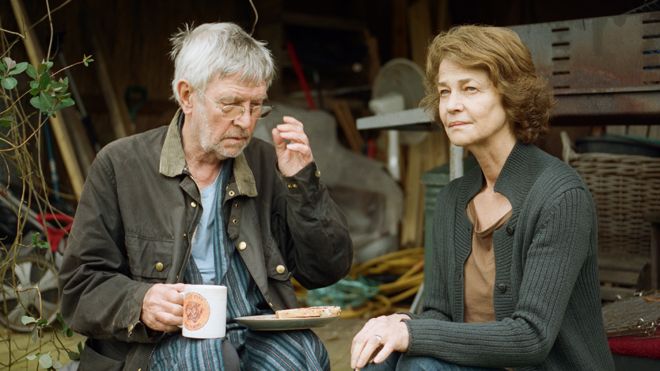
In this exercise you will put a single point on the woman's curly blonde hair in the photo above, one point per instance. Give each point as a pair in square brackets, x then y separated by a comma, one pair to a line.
[526, 97]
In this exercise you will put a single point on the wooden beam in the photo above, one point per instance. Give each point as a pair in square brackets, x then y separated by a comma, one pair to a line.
[347, 123]
[399, 31]
[307, 20]
[121, 120]
[419, 25]
[36, 56]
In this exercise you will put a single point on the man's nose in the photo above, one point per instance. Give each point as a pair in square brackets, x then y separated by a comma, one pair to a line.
[245, 119]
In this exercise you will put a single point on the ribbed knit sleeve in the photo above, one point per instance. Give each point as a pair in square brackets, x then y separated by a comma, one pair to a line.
[562, 241]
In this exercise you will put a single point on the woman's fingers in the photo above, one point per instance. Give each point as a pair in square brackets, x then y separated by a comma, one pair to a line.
[378, 339]
[371, 346]
[384, 352]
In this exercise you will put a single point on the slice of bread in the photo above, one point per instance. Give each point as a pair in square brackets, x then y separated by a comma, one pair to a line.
[309, 312]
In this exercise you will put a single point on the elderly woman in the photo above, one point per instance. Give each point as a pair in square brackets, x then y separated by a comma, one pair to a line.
[511, 276]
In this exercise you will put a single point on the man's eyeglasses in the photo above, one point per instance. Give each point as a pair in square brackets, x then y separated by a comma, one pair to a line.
[234, 111]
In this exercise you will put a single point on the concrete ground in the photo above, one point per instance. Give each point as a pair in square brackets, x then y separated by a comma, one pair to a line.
[337, 337]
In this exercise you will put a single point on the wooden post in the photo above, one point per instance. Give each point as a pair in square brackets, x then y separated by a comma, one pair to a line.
[36, 56]
[399, 31]
[121, 120]
[419, 26]
[347, 123]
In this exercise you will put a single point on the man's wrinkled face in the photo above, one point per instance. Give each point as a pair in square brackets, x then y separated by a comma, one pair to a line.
[227, 114]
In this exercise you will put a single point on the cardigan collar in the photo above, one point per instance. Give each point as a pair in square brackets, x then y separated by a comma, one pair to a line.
[514, 181]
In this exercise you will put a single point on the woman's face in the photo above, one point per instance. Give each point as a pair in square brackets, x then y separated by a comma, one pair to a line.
[470, 107]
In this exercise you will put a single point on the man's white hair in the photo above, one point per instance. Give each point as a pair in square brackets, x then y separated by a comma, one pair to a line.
[218, 50]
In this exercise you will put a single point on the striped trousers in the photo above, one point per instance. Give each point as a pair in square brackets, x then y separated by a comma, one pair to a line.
[299, 350]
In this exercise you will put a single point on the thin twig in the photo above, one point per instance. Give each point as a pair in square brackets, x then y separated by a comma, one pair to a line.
[26, 139]
[12, 32]
[256, 17]
[50, 24]
[47, 15]
[66, 68]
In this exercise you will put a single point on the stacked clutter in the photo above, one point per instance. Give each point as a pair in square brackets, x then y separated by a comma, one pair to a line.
[383, 285]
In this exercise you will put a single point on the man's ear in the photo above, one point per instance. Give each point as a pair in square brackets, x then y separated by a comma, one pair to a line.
[185, 91]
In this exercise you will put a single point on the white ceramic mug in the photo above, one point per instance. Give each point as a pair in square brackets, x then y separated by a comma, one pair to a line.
[204, 311]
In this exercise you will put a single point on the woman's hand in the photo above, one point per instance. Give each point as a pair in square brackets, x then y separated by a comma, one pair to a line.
[385, 334]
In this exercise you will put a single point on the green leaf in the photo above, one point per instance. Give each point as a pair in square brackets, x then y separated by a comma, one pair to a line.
[66, 102]
[34, 87]
[26, 320]
[57, 365]
[46, 101]
[9, 83]
[87, 59]
[10, 63]
[19, 68]
[44, 67]
[74, 356]
[39, 242]
[31, 71]
[6, 121]
[42, 322]
[36, 103]
[44, 81]
[31, 357]
[45, 361]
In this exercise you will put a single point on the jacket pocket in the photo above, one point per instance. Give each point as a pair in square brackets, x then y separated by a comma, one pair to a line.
[149, 259]
[92, 360]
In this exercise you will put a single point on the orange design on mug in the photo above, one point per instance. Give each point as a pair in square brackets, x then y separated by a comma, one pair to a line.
[196, 311]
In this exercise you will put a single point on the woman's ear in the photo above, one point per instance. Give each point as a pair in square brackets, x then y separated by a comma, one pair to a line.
[185, 91]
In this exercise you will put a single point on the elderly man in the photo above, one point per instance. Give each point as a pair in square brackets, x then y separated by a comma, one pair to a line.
[201, 202]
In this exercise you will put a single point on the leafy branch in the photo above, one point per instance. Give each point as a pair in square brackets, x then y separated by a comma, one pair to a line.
[29, 95]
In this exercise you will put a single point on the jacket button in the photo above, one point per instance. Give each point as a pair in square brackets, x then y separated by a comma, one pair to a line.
[509, 230]
[159, 267]
[242, 245]
[501, 287]
[317, 173]
[280, 269]
[234, 221]
[193, 204]
[231, 193]
[131, 328]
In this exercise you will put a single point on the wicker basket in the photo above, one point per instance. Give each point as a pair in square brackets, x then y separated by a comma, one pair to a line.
[625, 189]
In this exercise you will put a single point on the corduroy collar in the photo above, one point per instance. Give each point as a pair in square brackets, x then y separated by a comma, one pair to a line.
[173, 159]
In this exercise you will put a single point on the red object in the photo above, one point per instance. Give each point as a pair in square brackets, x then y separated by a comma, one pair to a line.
[645, 347]
[372, 148]
[299, 73]
[55, 234]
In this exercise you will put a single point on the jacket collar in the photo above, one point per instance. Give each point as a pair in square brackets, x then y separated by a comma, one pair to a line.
[173, 159]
